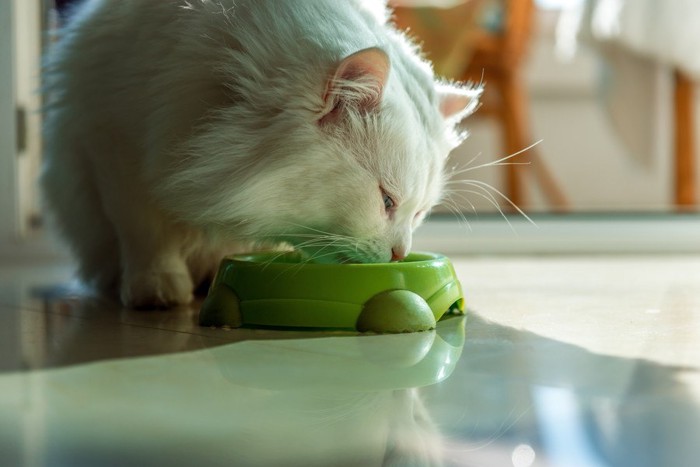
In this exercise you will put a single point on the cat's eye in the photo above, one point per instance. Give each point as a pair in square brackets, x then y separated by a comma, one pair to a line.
[388, 202]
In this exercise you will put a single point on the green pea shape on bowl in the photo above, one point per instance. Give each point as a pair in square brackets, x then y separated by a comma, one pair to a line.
[283, 290]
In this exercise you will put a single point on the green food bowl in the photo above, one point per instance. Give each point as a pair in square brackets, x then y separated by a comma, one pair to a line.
[282, 290]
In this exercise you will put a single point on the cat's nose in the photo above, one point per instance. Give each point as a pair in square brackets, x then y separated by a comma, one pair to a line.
[398, 253]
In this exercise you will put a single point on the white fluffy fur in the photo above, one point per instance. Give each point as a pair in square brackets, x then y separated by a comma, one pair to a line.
[179, 131]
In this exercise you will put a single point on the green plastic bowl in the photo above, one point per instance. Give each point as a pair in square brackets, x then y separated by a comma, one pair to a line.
[281, 290]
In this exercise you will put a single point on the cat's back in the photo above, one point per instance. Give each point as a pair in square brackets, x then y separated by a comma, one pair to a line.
[124, 33]
[151, 53]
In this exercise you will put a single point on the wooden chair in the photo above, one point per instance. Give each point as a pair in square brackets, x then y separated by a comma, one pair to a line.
[496, 56]
[684, 128]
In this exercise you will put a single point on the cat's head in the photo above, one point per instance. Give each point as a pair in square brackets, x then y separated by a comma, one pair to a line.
[376, 166]
[344, 168]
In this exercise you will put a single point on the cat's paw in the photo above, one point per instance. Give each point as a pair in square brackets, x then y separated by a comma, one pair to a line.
[156, 289]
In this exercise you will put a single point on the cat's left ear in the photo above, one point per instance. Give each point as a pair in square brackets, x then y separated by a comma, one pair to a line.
[456, 102]
[358, 82]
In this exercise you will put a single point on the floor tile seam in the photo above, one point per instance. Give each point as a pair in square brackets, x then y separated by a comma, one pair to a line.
[110, 322]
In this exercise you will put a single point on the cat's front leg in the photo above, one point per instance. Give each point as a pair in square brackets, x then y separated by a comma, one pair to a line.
[154, 272]
[152, 246]
[163, 282]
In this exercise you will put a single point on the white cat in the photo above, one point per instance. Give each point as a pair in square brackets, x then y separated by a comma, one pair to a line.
[179, 131]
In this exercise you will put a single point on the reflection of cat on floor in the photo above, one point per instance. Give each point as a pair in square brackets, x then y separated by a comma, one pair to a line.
[414, 439]
[372, 429]
[355, 398]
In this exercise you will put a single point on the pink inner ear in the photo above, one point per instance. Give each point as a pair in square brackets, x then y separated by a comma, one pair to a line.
[358, 80]
[457, 102]
[369, 63]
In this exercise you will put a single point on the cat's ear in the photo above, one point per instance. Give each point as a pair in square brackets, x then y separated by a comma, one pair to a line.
[456, 102]
[358, 81]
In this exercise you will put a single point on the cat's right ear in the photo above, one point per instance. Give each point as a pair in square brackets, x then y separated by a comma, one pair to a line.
[457, 101]
[358, 82]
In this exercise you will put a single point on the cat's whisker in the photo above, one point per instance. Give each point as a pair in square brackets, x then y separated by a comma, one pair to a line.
[486, 194]
[321, 241]
[318, 255]
[323, 246]
[456, 209]
[499, 162]
[317, 240]
[481, 166]
[454, 170]
[314, 241]
[453, 207]
[322, 232]
[448, 196]
[289, 235]
[270, 261]
[517, 153]
[485, 186]
[471, 161]
[491, 199]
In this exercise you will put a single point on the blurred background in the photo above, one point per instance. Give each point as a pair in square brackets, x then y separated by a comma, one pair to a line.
[605, 85]
[603, 89]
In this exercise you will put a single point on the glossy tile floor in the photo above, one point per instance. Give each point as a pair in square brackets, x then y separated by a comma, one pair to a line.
[561, 361]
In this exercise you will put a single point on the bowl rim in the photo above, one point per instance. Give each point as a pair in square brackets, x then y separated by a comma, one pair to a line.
[256, 260]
